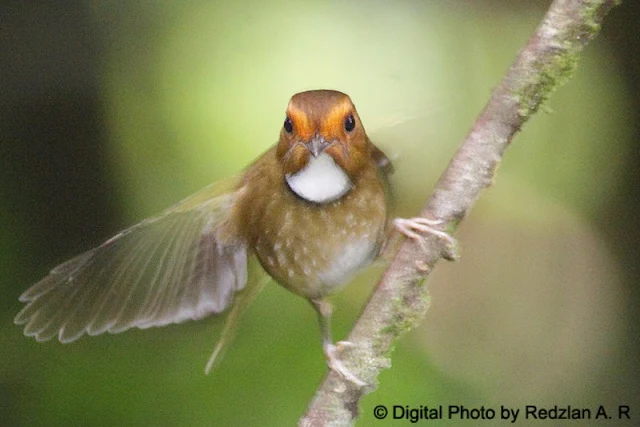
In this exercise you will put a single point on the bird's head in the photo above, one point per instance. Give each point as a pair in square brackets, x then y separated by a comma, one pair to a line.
[323, 145]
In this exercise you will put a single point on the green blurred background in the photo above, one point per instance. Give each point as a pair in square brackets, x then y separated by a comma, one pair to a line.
[112, 111]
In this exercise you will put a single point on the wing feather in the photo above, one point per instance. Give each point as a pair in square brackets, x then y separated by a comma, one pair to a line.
[182, 265]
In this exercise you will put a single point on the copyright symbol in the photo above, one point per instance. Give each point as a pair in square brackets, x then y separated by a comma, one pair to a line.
[380, 412]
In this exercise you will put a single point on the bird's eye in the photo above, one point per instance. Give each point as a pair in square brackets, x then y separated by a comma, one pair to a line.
[349, 123]
[288, 126]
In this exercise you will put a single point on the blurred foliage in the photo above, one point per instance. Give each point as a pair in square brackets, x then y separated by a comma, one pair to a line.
[113, 111]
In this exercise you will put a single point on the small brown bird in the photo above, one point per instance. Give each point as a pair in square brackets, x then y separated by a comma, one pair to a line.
[313, 210]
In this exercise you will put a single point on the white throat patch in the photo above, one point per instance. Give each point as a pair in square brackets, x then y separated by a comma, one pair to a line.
[321, 180]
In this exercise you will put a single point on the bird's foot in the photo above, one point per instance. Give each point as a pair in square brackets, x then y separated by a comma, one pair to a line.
[413, 227]
[331, 352]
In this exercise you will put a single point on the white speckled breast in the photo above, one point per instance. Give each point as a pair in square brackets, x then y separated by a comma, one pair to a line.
[356, 253]
[314, 250]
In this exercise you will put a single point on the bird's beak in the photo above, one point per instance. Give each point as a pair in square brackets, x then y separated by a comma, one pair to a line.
[317, 145]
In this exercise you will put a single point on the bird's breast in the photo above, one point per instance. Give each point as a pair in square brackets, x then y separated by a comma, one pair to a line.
[313, 249]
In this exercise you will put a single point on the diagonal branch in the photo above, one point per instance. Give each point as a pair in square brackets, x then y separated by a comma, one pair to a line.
[400, 300]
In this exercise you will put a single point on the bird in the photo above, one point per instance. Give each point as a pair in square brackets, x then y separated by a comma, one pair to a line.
[311, 211]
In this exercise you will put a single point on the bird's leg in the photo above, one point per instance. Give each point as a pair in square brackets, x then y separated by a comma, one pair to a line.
[331, 351]
[412, 227]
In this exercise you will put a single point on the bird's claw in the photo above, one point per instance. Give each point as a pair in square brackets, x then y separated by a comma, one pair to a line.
[335, 364]
[413, 227]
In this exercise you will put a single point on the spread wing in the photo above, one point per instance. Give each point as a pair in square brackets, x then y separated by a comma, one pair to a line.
[181, 265]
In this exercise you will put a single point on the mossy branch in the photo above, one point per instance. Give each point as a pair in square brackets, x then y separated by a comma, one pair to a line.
[400, 300]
